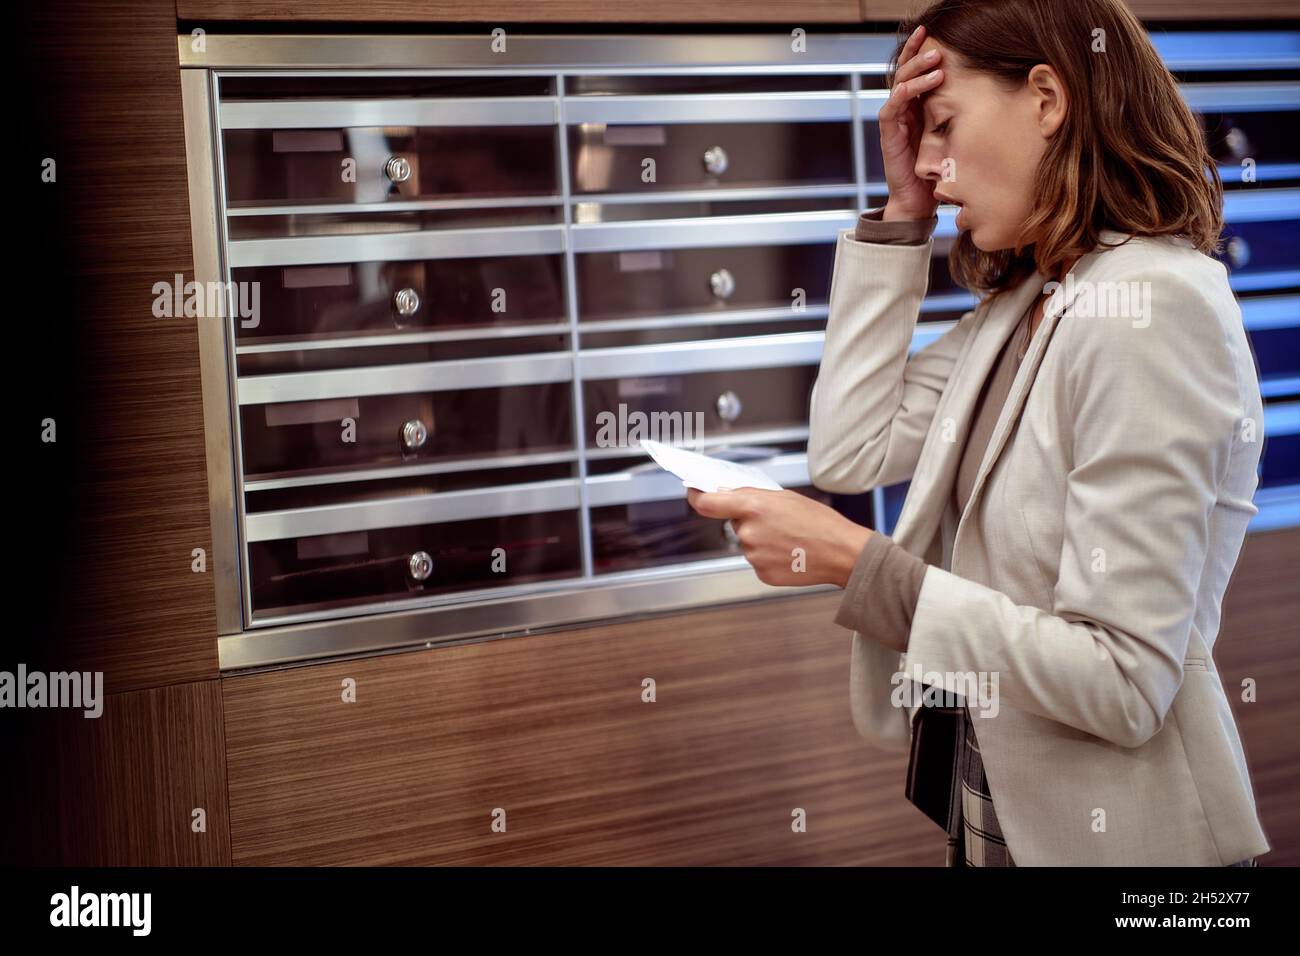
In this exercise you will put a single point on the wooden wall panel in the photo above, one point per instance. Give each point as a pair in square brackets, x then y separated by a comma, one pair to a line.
[751, 721]
[1260, 639]
[122, 496]
[120, 789]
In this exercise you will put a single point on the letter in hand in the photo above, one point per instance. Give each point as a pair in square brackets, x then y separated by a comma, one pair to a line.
[788, 538]
[902, 124]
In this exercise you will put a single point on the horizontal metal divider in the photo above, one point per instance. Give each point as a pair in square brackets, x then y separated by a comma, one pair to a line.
[864, 51]
[627, 487]
[497, 612]
[486, 333]
[282, 208]
[398, 246]
[453, 375]
[413, 469]
[1281, 418]
[1264, 281]
[622, 488]
[1239, 97]
[393, 111]
[531, 53]
[1271, 386]
[639, 109]
[749, 438]
[691, 319]
[1261, 205]
[649, 197]
[1256, 205]
[1279, 507]
[800, 107]
[439, 508]
[711, 355]
[1270, 312]
[674, 358]
[713, 231]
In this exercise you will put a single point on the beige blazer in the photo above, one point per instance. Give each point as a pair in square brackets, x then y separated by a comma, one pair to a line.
[1081, 588]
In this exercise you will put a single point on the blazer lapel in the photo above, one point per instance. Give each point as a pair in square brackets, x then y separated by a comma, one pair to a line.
[1011, 409]
[1015, 402]
[936, 469]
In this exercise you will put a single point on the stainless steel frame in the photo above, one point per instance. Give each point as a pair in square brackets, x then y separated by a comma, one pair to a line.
[245, 643]
[207, 231]
[695, 52]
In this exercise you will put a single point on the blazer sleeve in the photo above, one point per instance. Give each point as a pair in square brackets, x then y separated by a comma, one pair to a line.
[872, 403]
[881, 593]
[1154, 413]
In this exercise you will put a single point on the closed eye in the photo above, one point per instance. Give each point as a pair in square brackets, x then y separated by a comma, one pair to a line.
[941, 128]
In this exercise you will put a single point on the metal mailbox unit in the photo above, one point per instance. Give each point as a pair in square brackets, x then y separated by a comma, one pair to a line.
[449, 267]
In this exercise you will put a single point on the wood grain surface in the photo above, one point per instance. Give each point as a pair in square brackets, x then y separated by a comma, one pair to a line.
[122, 494]
[751, 721]
[120, 789]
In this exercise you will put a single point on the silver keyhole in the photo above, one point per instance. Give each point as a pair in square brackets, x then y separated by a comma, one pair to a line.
[728, 406]
[715, 160]
[406, 302]
[722, 283]
[420, 566]
[1237, 143]
[1238, 252]
[414, 434]
[397, 169]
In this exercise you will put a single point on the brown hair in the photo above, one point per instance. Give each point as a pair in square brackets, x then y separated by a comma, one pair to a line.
[1130, 155]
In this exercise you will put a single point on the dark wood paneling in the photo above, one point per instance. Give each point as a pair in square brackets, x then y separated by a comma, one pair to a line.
[120, 789]
[1260, 639]
[123, 493]
[512, 11]
[751, 721]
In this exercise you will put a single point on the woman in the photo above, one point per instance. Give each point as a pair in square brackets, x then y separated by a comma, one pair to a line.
[1082, 449]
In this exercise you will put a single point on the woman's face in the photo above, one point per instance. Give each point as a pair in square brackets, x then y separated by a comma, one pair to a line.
[982, 143]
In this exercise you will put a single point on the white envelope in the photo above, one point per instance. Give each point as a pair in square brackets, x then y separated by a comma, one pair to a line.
[705, 473]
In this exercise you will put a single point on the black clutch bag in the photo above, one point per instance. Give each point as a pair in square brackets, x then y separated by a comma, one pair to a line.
[932, 765]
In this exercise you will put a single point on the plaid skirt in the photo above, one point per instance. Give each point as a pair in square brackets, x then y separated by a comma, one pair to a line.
[945, 779]
[974, 839]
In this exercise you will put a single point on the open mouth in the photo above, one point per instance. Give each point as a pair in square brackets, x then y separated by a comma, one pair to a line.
[960, 206]
[957, 203]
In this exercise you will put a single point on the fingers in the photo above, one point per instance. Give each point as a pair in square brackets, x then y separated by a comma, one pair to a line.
[918, 65]
[710, 504]
[904, 94]
[718, 504]
[912, 45]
